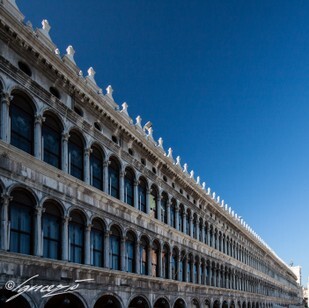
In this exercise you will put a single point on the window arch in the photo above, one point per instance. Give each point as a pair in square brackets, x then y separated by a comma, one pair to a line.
[143, 248]
[51, 139]
[164, 201]
[129, 178]
[21, 213]
[22, 123]
[97, 243]
[165, 261]
[142, 194]
[76, 237]
[173, 213]
[155, 259]
[96, 167]
[154, 202]
[51, 224]
[130, 252]
[113, 177]
[76, 155]
[114, 239]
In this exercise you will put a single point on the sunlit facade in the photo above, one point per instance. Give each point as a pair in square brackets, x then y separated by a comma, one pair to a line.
[86, 193]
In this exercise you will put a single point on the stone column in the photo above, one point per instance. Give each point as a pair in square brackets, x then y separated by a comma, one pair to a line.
[121, 186]
[65, 238]
[199, 273]
[148, 201]
[123, 253]
[105, 176]
[5, 118]
[136, 200]
[203, 233]
[38, 232]
[221, 242]
[178, 267]
[65, 152]
[87, 244]
[169, 254]
[177, 216]
[106, 249]
[137, 258]
[39, 119]
[87, 153]
[168, 208]
[5, 221]
[210, 276]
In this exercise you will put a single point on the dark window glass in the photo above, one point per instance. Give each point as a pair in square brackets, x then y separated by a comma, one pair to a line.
[76, 156]
[22, 124]
[194, 229]
[76, 240]
[143, 258]
[113, 178]
[173, 213]
[129, 187]
[188, 224]
[174, 266]
[51, 233]
[142, 191]
[195, 269]
[52, 142]
[130, 254]
[97, 246]
[115, 252]
[180, 220]
[96, 168]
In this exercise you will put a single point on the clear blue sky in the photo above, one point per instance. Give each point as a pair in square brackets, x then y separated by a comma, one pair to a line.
[224, 82]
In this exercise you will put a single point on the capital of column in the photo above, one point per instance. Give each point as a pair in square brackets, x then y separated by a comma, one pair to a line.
[5, 198]
[88, 151]
[123, 239]
[67, 219]
[136, 182]
[65, 136]
[6, 98]
[88, 227]
[39, 119]
[106, 163]
[107, 233]
[39, 210]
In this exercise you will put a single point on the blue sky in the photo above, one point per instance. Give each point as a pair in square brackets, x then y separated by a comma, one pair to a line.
[225, 84]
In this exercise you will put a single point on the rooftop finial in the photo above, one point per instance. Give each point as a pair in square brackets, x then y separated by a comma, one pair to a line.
[139, 122]
[204, 185]
[192, 174]
[185, 168]
[214, 195]
[91, 73]
[45, 25]
[208, 191]
[110, 91]
[70, 53]
[170, 153]
[160, 142]
[198, 180]
[125, 108]
[178, 161]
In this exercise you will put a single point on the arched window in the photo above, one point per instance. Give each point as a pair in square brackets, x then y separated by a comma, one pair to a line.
[22, 123]
[76, 155]
[174, 264]
[164, 200]
[130, 253]
[21, 222]
[143, 248]
[142, 194]
[188, 223]
[76, 238]
[96, 167]
[195, 227]
[129, 179]
[165, 261]
[52, 218]
[113, 178]
[200, 230]
[155, 259]
[173, 213]
[189, 269]
[51, 139]
[153, 202]
[97, 243]
[114, 248]
[183, 266]
[180, 218]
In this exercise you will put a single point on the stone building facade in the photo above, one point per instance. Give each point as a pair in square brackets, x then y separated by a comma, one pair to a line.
[90, 201]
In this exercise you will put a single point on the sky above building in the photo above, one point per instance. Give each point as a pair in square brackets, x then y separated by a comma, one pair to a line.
[225, 84]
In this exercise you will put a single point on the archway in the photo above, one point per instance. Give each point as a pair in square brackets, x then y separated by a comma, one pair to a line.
[180, 303]
[64, 301]
[225, 304]
[138, 302]
[19, 301]
[161, 303]
[107, 301]
[216, 304]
